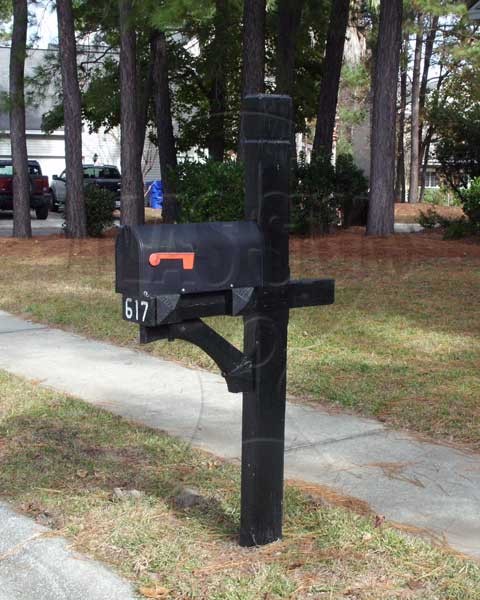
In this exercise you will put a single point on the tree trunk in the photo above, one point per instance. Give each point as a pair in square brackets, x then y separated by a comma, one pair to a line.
[415, 120]
[163, 117]
[384, 116]
[75, 216]
[145, 95]
[426, 149]
[22, 227]
[327, 105]
[253, 65]
[253, 47]
[217, 94]
[425, 144]
[400, 187]
[289, 18]
[132, 205]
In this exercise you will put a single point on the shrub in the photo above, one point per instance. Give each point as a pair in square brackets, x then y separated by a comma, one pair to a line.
[314, 206]
[461, 228]
[210, 191]
[471, 201]
[99, 205]
[351, 188]
[429, 219]
[439, 197]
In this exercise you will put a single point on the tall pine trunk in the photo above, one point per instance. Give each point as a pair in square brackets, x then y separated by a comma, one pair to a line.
[163, 117]
[289, 19]
[400, 186]
[253, 78]
[415, 119]
[327, 105]
[384, 116]
[132, 204]
[217, 89]
[425, 143]
[22, 227]
[253, 54]
[75, 216]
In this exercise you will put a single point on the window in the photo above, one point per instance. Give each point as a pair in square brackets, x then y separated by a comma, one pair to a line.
[431, 180]
[6, 170]
[33, 169]
[101, 173]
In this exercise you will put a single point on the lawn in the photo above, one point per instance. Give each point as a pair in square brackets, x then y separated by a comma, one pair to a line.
[61, 460]
[401, 343]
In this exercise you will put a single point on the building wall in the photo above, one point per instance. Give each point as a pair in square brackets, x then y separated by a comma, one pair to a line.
[49, 150]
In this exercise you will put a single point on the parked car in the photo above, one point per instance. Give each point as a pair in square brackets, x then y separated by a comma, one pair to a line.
[104, 176]
[39, 190]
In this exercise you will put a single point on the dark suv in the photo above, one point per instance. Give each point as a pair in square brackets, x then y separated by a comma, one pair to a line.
[104, 176]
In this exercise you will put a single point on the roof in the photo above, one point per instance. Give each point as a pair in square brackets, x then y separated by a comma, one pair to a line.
[474, 8]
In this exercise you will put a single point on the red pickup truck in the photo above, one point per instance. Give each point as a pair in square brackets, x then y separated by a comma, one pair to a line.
[39, 188]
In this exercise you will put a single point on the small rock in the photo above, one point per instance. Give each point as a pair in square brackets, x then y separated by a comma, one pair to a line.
[188, 497]
[119, 494]
[45, 519]
[318, 501]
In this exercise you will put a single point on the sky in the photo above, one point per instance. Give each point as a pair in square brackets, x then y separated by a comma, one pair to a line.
[46, 26]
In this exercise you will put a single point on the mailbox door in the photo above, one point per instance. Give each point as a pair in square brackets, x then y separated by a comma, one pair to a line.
[154, 260]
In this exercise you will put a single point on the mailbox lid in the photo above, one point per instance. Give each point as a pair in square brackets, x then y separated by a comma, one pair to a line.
[152, 260]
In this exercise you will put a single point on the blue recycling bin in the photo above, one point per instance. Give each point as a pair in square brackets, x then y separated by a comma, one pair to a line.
[156, 194]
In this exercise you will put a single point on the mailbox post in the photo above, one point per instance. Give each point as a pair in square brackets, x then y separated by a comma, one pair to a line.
[267, 152]
[170, 276]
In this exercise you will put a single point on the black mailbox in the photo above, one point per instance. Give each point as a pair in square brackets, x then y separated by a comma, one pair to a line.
[200, 269]
[153, 260]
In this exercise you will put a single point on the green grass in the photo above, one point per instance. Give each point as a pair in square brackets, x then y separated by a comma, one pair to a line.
[60, 460]
[401, 343]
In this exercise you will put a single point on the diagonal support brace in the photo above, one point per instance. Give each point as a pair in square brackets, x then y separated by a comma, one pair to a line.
[235, 366]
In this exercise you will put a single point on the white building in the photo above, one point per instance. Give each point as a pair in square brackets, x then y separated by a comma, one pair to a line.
[49, 150]
[474, 9]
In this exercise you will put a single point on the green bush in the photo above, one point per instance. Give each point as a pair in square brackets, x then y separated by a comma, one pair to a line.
[210, 191]
[460, 228]
[438, 197]
[99, 205]
[471, 201]
[314, 206]
[351, 188]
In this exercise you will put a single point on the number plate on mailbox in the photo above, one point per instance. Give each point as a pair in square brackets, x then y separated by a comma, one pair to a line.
[139, 310]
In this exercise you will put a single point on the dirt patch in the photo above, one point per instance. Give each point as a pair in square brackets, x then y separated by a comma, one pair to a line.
[351, 244]
[58, 246]
[323, 495]
[410, 213]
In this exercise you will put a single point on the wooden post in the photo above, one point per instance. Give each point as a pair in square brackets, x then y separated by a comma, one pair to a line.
[266, 149]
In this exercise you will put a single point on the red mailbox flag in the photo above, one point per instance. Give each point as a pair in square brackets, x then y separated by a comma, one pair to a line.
[187, 258]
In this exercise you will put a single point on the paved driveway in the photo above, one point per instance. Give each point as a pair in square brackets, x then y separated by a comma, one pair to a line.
[51, 225]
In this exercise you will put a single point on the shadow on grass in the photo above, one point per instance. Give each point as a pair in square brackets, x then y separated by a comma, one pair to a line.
[82, 452]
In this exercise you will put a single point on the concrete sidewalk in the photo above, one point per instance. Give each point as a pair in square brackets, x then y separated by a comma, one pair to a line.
[419, 484]
[36, 565]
